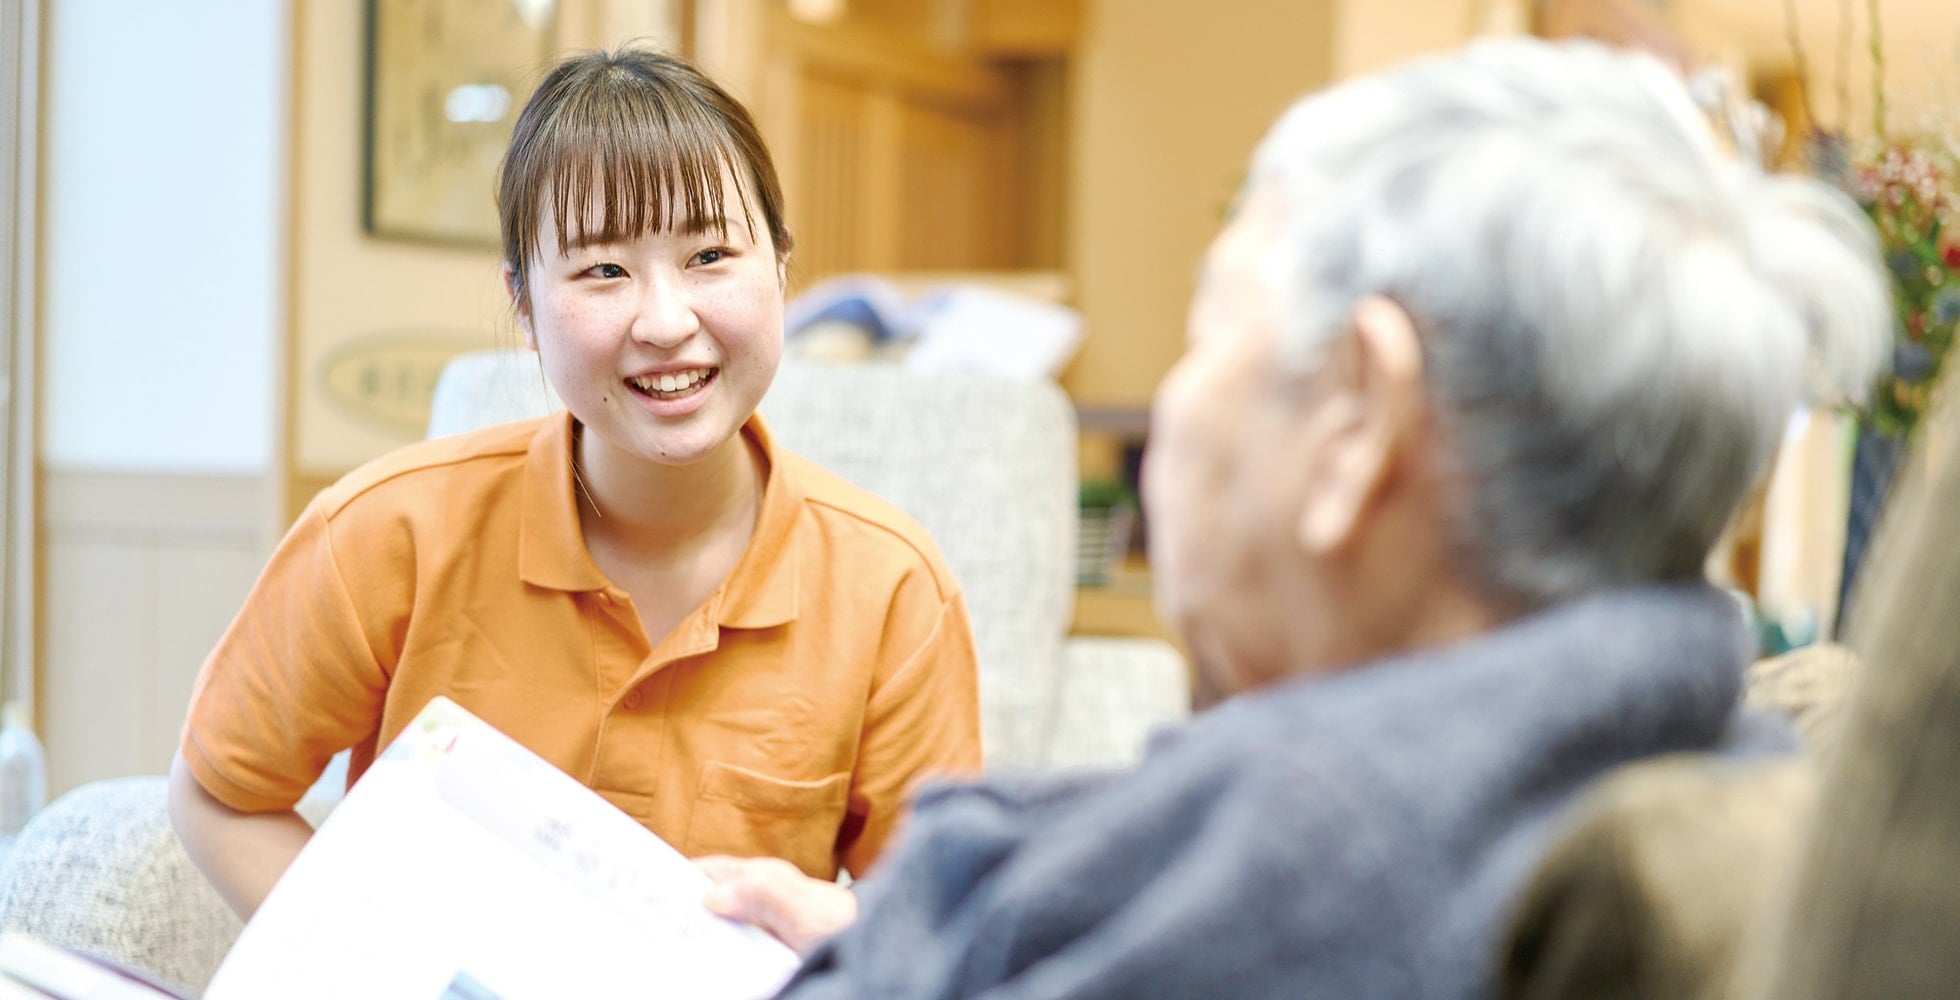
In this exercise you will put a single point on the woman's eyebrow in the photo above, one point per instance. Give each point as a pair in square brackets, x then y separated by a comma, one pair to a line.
[576, 243]
[696, 225]
[693, 225]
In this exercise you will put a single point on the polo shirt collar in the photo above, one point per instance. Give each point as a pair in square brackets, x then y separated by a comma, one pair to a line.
[550, 546]
[760, 592]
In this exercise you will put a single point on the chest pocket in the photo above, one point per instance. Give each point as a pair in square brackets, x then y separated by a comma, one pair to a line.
[746, 813]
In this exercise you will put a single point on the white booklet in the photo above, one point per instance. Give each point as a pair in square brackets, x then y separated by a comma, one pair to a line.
[463, 866]
[32, 969]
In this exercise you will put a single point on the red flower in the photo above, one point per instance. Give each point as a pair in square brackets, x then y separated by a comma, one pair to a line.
[1950, 255]
[1916, 325]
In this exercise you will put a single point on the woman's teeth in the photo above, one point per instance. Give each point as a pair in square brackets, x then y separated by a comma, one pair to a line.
[671, 383]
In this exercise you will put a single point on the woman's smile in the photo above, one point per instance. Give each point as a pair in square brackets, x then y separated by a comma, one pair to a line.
[673, 385]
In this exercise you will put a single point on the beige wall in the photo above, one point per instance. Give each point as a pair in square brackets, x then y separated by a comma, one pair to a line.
[1372, 36]
[1921, 39]
[1169, 97]
[345, 285]
[400, 305]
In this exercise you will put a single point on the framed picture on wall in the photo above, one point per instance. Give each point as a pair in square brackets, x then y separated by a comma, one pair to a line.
[445, 81]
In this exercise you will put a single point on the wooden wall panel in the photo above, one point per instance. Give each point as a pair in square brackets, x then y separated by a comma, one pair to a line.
[887, 179]
[896, 155]
[97, 656]
[946, 219]
[143, 574]
[828, 185]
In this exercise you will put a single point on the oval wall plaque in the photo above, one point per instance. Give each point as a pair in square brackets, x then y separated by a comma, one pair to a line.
[386, 380]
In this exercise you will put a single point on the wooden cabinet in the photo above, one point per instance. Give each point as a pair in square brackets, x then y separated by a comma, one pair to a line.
[904, 142]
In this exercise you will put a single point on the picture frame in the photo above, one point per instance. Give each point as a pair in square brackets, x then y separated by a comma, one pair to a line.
[445, 82]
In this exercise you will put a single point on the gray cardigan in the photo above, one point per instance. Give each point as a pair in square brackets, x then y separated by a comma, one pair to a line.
[1360, 835]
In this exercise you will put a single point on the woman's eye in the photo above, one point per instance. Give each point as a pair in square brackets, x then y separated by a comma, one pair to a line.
[710, 256]
[606, 271]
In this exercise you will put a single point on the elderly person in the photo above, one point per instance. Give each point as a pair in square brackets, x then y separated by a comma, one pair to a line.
[1492, 349]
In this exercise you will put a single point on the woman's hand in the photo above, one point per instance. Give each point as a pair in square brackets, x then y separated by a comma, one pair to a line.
[774, 895]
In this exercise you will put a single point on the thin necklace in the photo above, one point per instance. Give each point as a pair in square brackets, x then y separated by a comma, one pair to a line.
[578, 432]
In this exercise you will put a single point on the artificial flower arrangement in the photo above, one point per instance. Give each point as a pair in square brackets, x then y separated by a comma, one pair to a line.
[1906, 188]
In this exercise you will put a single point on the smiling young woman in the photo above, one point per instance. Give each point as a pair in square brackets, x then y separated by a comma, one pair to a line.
[745, 653]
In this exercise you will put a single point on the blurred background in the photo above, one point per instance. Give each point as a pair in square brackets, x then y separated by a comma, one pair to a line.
[244, 236]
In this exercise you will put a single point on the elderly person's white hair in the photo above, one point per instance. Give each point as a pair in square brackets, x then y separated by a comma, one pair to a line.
[1617, 317]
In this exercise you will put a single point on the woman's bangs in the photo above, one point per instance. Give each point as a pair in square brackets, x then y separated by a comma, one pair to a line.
[618, 170]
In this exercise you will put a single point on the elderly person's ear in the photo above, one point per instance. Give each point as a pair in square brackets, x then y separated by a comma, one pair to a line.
[1372, 411]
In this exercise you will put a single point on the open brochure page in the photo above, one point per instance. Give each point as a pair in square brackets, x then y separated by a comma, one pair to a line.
[465, 867]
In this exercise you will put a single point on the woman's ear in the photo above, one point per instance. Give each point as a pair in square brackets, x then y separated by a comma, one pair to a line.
[520, 303]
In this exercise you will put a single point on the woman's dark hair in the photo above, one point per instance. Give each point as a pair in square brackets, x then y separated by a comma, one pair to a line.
[641, 134]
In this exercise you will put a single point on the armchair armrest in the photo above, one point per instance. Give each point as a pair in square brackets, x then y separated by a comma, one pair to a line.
[101, 870]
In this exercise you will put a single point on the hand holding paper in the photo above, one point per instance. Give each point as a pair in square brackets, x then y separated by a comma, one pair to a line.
[464, 865]
[774, 895]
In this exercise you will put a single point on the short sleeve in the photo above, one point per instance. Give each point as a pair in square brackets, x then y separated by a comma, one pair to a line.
[296, 677]
[922, 720]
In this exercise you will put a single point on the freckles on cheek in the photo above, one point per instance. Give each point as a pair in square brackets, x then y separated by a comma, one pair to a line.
[569, 315]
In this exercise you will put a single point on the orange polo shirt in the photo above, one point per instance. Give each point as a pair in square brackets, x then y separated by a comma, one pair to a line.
[787, 716]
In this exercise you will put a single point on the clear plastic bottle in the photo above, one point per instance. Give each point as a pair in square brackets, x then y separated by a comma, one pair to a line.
[23, 771]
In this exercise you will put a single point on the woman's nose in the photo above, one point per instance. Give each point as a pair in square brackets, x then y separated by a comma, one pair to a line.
[666, 316]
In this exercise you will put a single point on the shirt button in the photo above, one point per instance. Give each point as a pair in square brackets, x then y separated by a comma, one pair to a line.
[634, 699]
[605, 597]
